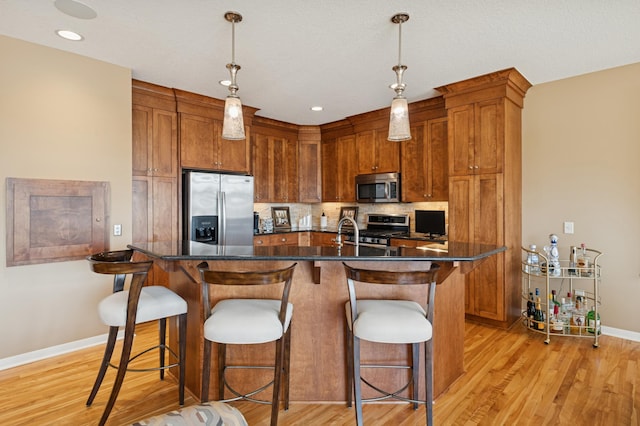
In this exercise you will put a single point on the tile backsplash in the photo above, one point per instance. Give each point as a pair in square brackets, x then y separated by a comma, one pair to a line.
[332, 211]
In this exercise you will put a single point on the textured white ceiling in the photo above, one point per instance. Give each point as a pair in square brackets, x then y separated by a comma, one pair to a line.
[337, 53]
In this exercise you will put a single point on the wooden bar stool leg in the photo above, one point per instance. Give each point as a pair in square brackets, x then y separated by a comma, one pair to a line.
[122, 370]
[108, 351]
[182, 335]
[162, 326]
[277, 379]
[222, 365]
[286, 369]
[415, 371]
[206, 371]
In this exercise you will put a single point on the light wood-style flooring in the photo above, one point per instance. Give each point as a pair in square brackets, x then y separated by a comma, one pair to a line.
[512, 378]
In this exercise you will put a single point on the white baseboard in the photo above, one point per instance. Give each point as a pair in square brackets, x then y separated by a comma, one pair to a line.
[623, 334]
[40, 354]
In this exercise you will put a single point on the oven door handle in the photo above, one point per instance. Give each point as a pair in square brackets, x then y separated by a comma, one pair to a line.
[380, 246]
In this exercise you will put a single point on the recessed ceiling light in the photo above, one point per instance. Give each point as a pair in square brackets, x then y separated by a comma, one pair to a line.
[225, 83]
[316, 108]
[69, 35]
[75, 9]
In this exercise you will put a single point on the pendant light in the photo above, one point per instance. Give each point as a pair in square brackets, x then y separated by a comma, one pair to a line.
[233, 123]
[399, 117]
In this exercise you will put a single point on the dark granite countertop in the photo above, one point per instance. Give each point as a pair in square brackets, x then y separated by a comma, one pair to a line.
[190, 250]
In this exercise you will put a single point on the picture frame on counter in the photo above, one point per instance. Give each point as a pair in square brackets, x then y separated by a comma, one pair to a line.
[281, 217]
[349, 211]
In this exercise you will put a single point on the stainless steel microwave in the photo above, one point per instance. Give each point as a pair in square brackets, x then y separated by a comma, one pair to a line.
[378, 188]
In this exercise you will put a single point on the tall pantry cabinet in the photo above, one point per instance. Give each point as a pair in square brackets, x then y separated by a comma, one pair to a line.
[154, 167]
[485, 187]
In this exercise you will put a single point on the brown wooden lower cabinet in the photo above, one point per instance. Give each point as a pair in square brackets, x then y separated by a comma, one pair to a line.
[323, 238]
[287, 239]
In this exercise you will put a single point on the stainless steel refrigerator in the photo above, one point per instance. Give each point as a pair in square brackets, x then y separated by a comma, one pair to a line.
[217, 208]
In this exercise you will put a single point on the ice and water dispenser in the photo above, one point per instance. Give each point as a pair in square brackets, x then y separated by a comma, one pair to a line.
[204, 229]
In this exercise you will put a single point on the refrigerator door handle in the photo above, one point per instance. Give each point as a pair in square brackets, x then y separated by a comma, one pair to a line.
[222, 214]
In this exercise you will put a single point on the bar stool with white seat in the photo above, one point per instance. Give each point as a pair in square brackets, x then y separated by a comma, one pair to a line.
[393, 322]
[126, 308]
[248, 321]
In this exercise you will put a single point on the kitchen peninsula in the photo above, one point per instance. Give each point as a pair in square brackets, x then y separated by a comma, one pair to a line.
[318, 293]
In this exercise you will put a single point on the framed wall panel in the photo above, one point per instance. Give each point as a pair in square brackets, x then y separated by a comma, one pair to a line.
[55, 220]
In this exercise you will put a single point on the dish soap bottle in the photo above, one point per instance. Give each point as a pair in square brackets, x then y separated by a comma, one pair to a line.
[323, 221]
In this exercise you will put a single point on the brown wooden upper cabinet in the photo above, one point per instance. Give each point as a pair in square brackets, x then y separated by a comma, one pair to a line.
[376, 154]
[155, 142]
[202, 146]
[424, 162]
[309, 171]
[275, 167]
[476, 138]
[339, 169]
[201, 143]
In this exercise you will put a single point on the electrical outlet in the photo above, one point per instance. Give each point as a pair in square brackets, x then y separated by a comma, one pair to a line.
[568, 227]
[117, 230]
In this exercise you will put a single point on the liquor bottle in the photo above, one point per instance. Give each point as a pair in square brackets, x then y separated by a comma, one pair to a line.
[531, 310]
[593, 324]
[573, 260]
[554, 257]
[539, 316]
[578, 317]
[533, 262]
[584, 262]
[565, 315]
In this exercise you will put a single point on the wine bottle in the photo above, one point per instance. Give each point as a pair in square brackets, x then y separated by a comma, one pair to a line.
[539, 316]
[531, 310]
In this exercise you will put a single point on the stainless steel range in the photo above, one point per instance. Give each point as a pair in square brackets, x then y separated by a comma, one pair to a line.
[380, 228]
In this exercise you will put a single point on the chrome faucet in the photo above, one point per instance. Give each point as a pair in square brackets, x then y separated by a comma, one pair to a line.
[356, 232]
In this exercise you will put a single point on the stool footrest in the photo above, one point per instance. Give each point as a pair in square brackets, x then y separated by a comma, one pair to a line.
[245, 396]
[143, 370]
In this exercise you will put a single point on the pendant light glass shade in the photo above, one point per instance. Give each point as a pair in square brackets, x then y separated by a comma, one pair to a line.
[399, 120]
[233, 122]
[399, 126]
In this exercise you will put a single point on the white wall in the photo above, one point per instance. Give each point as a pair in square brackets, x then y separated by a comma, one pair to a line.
[581, 163]
[62, 116]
